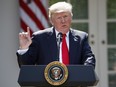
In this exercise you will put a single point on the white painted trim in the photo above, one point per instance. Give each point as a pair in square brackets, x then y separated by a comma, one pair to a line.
[111, 20]
[93, 30]
[102, 26]
[80, 21]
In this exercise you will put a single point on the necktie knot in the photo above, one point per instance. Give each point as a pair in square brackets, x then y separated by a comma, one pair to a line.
[64, 35]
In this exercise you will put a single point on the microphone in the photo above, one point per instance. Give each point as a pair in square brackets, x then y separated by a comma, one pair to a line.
[59, 40]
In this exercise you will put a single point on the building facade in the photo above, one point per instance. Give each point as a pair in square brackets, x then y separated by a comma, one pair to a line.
[96, 17]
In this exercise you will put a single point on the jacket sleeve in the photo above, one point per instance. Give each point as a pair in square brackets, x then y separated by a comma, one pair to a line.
[87, 54]
[30, 57]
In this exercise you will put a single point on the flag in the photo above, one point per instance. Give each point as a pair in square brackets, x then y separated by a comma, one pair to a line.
[33, 14]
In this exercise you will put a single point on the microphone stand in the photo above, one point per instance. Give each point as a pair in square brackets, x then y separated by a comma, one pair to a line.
[59, 40]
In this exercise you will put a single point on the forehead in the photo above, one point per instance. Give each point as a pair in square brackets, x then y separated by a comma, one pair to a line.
[61, 13]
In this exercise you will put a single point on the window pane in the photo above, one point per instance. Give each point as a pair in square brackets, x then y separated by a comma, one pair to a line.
[80, 26]
[80, 9]
[112, 59]
[111, 33]
[111, 8]
[112, 80]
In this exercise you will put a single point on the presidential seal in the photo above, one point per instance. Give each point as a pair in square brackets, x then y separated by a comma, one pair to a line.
[56, 73]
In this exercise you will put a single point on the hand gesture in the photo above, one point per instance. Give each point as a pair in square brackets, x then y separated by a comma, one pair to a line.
[25, 39]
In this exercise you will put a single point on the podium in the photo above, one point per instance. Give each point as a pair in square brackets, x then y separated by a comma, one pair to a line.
[78, 75]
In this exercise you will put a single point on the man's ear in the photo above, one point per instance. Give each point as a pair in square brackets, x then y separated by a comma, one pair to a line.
[51, 21]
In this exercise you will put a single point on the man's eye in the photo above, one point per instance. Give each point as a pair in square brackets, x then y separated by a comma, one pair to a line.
[65, 16]
[59, 18]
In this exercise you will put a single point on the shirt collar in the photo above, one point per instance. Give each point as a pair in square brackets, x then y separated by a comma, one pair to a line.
[67, 34]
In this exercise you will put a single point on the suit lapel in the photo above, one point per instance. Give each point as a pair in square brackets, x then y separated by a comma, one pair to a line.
[73, 42]
[52, 44]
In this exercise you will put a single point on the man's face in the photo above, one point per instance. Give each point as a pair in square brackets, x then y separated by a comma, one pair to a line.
[61, 21]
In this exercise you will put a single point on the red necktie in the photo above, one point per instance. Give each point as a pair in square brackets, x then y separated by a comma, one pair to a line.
[65, 53]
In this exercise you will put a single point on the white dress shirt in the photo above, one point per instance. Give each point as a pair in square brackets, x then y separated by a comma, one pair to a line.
[67, 41]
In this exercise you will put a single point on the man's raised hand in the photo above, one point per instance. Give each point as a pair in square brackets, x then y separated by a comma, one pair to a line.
[25, 39]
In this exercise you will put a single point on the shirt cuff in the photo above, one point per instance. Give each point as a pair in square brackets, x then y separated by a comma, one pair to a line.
[21, 52]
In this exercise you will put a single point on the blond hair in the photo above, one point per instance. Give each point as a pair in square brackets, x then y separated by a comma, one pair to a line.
[60, 7]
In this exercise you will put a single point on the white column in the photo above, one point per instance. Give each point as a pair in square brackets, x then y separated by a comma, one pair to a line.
[9, 29]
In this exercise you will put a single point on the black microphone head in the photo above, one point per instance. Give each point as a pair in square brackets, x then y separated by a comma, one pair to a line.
[60, 35]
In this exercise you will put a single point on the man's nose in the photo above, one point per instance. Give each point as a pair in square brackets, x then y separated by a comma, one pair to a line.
[63, 20]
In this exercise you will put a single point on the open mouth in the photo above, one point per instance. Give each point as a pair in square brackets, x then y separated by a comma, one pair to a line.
[64, 26]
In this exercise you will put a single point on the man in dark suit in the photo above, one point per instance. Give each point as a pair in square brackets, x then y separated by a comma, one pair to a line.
[45, 45]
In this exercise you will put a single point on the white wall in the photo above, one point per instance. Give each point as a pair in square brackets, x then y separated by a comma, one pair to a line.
[9, 29]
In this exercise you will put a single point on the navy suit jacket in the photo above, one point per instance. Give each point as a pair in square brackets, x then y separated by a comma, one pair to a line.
[44, 50]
